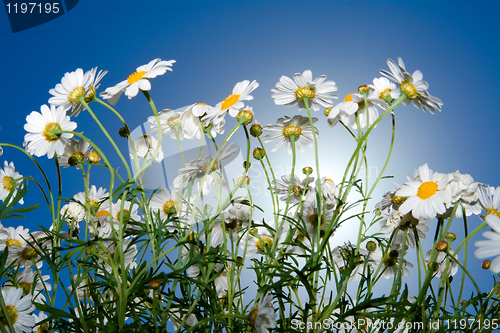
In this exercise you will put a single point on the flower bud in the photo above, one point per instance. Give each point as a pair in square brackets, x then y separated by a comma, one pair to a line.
[463, 302]
[259, 153]
[307, 171]
[254, 231]
[245, 117]
[377, 212]
[154, 284]
[124, 132]
[94, 157]
[327, 111]
[486, 264]
[256, 130]
[450, 236]
[247, 180]
[363, 89]
[442, 246]
[371, 246]
[245, 164]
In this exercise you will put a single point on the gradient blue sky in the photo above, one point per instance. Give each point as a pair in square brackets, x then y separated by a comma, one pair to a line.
[219, 43]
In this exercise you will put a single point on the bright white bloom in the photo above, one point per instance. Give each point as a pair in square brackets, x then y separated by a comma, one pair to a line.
[38, 319]
[177, 316]
[73, 212]
[170, 123]
[193, 126]
[318, 92]
[129, 254]
[347, 110]
[19, 309]
[489, 198]
[491, 246]
[261, 239]
[137, 80]
[299, 188]
[390, 201]
[330, 192]
[390, 261]
[341, 256]
[427, 195]
[75, 152]
[25, 281]
[195, 171]
[42, 137]
[234, 102]
[8, 175]
[399, 223]
[463, 190]
[24, 256]
[236, 221]
[441, 262]
[313, 219]
[16, 237]
[145, 147]
[382, 89]
[263, 317]
[73, 86]
[97, 199]
[298, 127]
[413, 86]
[167, 204]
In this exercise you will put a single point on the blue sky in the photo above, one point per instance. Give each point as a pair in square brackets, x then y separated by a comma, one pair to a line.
[219, 43]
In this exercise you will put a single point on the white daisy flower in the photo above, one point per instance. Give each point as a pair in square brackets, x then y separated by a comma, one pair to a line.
[167, 204]
[382, 89]
[73, 212]
[341, 255]
[19, 309]
[8, 176]
[43, 137]
[73, 86]
[427, 195]
[399, 223]
[439, 266]
[98, 199]
[29, 278]
[236, 221]
[330, 191]
[491, 246]
[464, 190]
[263, 317]
[75, 152]
[313, 219]
[38, 319]
[127, 213]
[299, 188]
[318, 92]
[145, 147]
[413, 86]
[170, 123]
[16, 237]
[347, 110]
[234, 102]
[129, 254]
[298, 127]
[177, 316]
[137, 80]
[489, 198]
[390, 261]
[261, 239]
[24, 256]
[390, 201]
[193, 126]
[195, 170]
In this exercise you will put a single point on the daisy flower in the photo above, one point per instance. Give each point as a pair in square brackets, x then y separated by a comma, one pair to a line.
[170, 123]
[382, 89]
[491, 246]
[145, 147]
[390, 201]
[312, 218]
[347, 110]
[330, 191]
[427, 195]
[18, 309]
[193, 126]
[137, 80]
[398, 223]
[263, 317]
[463, 190]
[261, 239]
[27, 279]
[442, 260]
[73, 212]
[38, 319]
[8, 176]
[74, 86]
[44, 128]
[234, 102]
[298, 127]
[97, 199]
[341, 256]
[168, 205]
[16, 237]
[413, 86]
[24, 256]
[236, 221]
[318, 92]
[75, 152]
[129, 254]
[195, 170]
[489, 198]
[390, 261]
[299, 188]
[177, 316]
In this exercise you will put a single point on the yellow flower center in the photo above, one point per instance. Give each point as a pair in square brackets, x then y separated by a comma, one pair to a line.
[314, 220]
[409, 90]
[385, 94]
[348, 98]
[290, 131]
[427, 190]
[169, 208]
[215, 166]
[304, 92]
[28, 254]
[13, 242]
[88, 98]
[397, 200]
[26, 287]
[102, 213]
[76, 94]
[296, 190]
[94, 204]
[7, 183]
[123, 215]
[49, 134]
[230, 101]
[232, 225]
[11, 312]
[173, 122]
[75, 158]
[136, 76]
[391, 258]
[492, 211]
[264, 241]
[252, 316]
